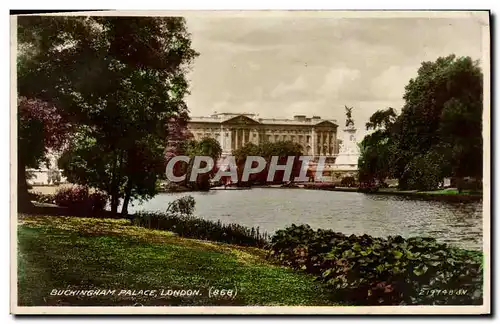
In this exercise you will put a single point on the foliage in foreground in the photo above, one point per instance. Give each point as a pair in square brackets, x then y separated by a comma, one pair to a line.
[365, 270]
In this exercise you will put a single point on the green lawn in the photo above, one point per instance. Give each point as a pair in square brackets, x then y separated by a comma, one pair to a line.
[448, 192]
[84, 254]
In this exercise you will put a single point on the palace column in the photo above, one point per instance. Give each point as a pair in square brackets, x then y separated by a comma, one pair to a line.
[325, 142]
[334, 143]
[227, 141]
[222, 139]
[233, 139]
[313, 142]
[236, 138]
[320, 143]
[330, 150]
[242, 139]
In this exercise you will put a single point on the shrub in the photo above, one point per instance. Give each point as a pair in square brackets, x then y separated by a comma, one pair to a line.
[320, 185]
[178, 219]
[365, 270]
[77, 198]
[201, 229]
[182, 207]
[474, 185]
[348, 182]
[98, 201]
[172, 187]
[42, 198]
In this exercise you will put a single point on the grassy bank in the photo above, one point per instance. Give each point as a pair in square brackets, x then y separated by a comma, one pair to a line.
[450, 192]
[437, 195]
[84, 253]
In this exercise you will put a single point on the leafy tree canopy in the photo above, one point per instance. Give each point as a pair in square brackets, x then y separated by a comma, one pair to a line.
[120, 80]
[438, 132]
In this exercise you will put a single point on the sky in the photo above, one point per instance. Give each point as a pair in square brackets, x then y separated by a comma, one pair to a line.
[283, 65]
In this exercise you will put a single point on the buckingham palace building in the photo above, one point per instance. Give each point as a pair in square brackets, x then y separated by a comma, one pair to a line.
[317, 136]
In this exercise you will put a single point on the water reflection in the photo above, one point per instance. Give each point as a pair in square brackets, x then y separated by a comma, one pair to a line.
[350, 213]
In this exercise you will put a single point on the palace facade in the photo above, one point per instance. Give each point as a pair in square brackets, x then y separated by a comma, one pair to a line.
[317, 136]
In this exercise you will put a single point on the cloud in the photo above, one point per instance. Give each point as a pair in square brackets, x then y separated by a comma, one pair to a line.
[281, 66]
[337, 80]
[390, 84]
[285, 88]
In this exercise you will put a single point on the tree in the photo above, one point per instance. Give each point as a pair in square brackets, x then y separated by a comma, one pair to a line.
[178, 136]
[438, 132]
[377, 149]
[267, 150]
[443, 114]
[41, 128]
[425, 172]
[121, 79]
[205, 147]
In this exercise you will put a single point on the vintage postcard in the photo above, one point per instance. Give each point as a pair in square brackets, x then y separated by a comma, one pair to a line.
[251, 162]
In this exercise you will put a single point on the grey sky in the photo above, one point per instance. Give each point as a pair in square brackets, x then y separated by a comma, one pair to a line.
[282, 66]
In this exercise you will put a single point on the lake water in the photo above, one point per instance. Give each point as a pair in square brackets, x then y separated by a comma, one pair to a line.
[346, 212]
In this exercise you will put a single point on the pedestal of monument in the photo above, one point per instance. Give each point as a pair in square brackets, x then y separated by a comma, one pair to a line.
[347, 159]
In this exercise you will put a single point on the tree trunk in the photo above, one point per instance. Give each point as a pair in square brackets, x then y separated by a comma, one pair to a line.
[460, 184]
[23, 199]
[126, 200]
[114, 188]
